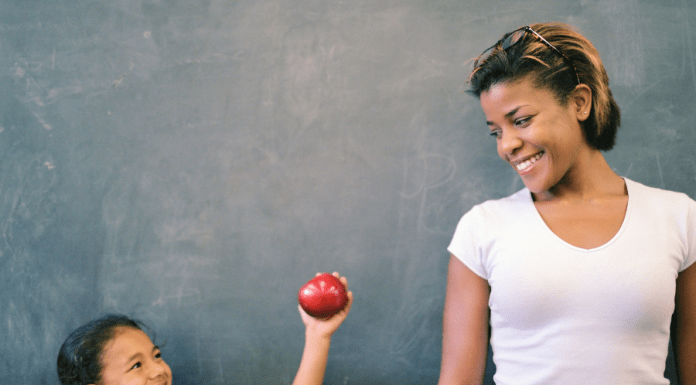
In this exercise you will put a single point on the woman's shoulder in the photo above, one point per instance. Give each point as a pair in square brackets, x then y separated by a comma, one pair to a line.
[500, 208]
[656, 195]
[520, 198]
[655, 202]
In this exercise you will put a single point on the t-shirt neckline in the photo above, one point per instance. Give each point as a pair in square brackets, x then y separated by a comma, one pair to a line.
[530, 203]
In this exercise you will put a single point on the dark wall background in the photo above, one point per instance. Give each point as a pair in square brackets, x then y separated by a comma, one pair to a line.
[193, 163]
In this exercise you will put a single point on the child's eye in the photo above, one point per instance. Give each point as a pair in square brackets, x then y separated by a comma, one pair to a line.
[496, 134]
[158, 355]
[136, 366]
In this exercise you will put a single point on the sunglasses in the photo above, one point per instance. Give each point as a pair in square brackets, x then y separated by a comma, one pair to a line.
[515, 37]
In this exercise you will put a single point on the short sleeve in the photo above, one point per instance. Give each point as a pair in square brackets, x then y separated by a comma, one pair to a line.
[690, 234]
[466, 243]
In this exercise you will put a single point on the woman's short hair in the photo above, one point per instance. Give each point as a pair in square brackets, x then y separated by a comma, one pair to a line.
[549, 70]
[79, 359]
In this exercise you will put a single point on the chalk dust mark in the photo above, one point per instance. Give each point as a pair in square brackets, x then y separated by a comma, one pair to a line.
[415, 327]
[118, 81]
[218, 362]
[629, 170]
[643, 91]
[689, 46]
[27, 201]
[629, 51]
[310, 69]
[427, 180]
[43, 123]
[267, 86]
[659, 170]
[430, 172]
[19, 72]
[182, 294]
[693, 163]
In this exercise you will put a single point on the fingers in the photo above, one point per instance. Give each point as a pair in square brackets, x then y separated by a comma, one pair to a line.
[346, 308]
[306, 318]
[302, 312]
[343, 280]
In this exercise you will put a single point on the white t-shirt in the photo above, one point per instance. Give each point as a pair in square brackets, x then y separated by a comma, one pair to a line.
[561, 314]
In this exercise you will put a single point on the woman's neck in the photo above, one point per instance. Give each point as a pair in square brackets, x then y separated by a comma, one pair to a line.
[589, 179]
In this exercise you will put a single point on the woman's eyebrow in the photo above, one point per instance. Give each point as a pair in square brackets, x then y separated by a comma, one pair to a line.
[509, 114]
[514, 111]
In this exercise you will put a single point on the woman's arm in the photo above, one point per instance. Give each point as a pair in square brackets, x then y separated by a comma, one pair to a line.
[465, 327]
[684, 326]
[318, 334]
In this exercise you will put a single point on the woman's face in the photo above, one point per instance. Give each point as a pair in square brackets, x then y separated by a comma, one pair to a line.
[130, 358]
[541, 139]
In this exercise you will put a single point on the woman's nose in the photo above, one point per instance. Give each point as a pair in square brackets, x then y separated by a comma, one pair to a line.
[508, 143]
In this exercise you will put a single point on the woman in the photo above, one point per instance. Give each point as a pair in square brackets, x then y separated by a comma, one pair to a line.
[114, 350]
[578, 273]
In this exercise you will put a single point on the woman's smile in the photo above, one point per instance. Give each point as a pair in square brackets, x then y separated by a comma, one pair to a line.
[525, 165]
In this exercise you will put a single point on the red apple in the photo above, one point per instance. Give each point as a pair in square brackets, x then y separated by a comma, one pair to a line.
[323, 296]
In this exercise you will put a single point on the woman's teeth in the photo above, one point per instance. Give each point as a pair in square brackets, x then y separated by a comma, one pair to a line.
[529, 162]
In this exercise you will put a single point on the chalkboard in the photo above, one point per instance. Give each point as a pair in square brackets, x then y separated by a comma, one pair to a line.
[193, 163]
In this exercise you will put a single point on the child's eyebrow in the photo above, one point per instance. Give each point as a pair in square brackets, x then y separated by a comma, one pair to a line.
[138, 355]
[134, 356]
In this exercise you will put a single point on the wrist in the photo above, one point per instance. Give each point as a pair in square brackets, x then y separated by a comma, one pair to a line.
[317, 338]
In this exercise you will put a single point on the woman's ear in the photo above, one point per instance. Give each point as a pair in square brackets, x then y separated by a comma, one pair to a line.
[581, 101]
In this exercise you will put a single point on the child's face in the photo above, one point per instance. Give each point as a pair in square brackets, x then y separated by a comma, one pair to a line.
[130, 358]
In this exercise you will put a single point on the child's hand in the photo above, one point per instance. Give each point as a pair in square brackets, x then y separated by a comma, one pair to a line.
[318, 332]
[325, 327]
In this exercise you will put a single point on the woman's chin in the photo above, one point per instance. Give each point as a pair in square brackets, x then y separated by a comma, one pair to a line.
[537, 186]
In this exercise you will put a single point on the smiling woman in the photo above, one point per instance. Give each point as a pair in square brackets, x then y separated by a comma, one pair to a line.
[539, 137]
[579, 273]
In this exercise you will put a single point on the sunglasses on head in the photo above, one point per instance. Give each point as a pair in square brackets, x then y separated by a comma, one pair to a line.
[515, 37]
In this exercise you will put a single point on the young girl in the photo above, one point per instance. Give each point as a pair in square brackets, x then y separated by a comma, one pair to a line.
[578, 274]
[113, 350]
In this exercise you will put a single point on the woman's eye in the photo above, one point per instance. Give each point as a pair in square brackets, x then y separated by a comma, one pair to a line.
[158, 355]
[136, 366]
[496, 134]
[522, 121]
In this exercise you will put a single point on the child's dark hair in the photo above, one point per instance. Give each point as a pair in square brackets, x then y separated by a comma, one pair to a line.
[79, 359]
[549, 70]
